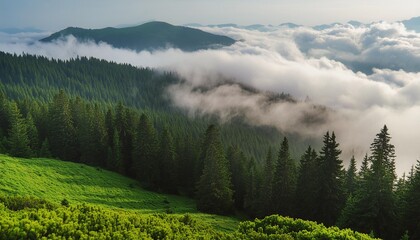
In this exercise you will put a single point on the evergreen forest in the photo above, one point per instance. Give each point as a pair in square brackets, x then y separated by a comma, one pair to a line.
[116, 117]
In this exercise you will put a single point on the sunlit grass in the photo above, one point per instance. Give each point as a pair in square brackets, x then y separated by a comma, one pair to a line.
[56, 180]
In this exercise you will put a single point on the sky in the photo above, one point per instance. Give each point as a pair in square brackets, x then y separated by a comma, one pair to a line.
[54, 15]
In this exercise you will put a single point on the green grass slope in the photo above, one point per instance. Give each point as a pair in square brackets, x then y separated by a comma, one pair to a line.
[148, 36]
[105, 205]
[56, 180]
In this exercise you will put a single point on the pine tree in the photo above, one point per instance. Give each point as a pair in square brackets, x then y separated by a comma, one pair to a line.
[168, 164]
[208, 138]
[214, 192]
[187, 160]
[237, 168]
[252, 199]
[373, 207]
[4, 115]
[284, 182]
[18, 135]
[44, 151]
[364, 169]
[146, 162]
[266, 194]
[330, 187]
[411, 216]
[350, 181]
[61, 131]
[114, 161]
[33, 135]
[306, 185]
[99, 137]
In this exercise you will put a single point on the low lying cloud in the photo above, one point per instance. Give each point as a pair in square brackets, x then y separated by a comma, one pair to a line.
[344, 78]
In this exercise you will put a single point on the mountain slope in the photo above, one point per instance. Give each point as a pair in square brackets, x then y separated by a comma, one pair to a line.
[56, 180]
[148, 36]
[119, 209]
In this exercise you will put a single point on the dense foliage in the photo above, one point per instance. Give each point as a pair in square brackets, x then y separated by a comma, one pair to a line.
[222, 167]
[49, 221]
[90, 222]
[278, 227]
[33, 81]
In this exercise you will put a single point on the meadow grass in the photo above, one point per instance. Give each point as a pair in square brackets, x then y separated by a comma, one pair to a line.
[55, 180]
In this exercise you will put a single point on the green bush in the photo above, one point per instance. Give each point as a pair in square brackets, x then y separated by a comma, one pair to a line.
[32, 218]
[278, 227]
[16, 203]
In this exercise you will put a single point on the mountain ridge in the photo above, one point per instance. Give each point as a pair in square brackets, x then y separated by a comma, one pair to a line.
[149, 36]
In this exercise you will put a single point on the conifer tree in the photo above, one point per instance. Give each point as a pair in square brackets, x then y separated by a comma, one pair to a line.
[33, 135]
[373, 207]
[214, 192]
[44, 151]
[187, 160]
[307, 184]
[99, 137]
[284, 182]
[109, 125]
[4, 115]
[237, 168]
[18, 136]
[411, 217]
[253, 185]
[168, 164]
[114, 161]
[61, 130]
[208, 138]
[146, 162]
[364, 169]
[330, 186]
[266, 194]
[350, 181]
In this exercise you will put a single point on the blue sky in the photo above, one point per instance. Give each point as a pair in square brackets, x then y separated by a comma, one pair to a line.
[57, 14]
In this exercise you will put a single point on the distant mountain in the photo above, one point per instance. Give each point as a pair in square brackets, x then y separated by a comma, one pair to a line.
[224, 25]
[148, 36]
[325, 26]
[412, 24]
[290, 25]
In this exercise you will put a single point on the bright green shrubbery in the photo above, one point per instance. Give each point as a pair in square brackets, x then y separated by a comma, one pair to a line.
[278, 227]
[32, 218]
[91, 222]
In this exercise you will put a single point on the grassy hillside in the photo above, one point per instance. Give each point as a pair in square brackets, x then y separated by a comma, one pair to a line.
[148, 36]
[56, 180]
[120, 209]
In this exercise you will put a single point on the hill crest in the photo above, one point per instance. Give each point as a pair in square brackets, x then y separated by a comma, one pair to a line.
[148, 36]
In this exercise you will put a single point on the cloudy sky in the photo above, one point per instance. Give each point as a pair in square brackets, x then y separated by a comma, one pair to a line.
[58, 14]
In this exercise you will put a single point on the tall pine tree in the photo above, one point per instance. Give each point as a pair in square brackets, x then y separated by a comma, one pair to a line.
[306, 185]
[266, 194]
[18, 135]
[373, 207]
[350, 181]
[168, 165]
[214, 188]
[284, 182]
[146, 162]
[330, 195]
[61, 130]
[411, 216]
